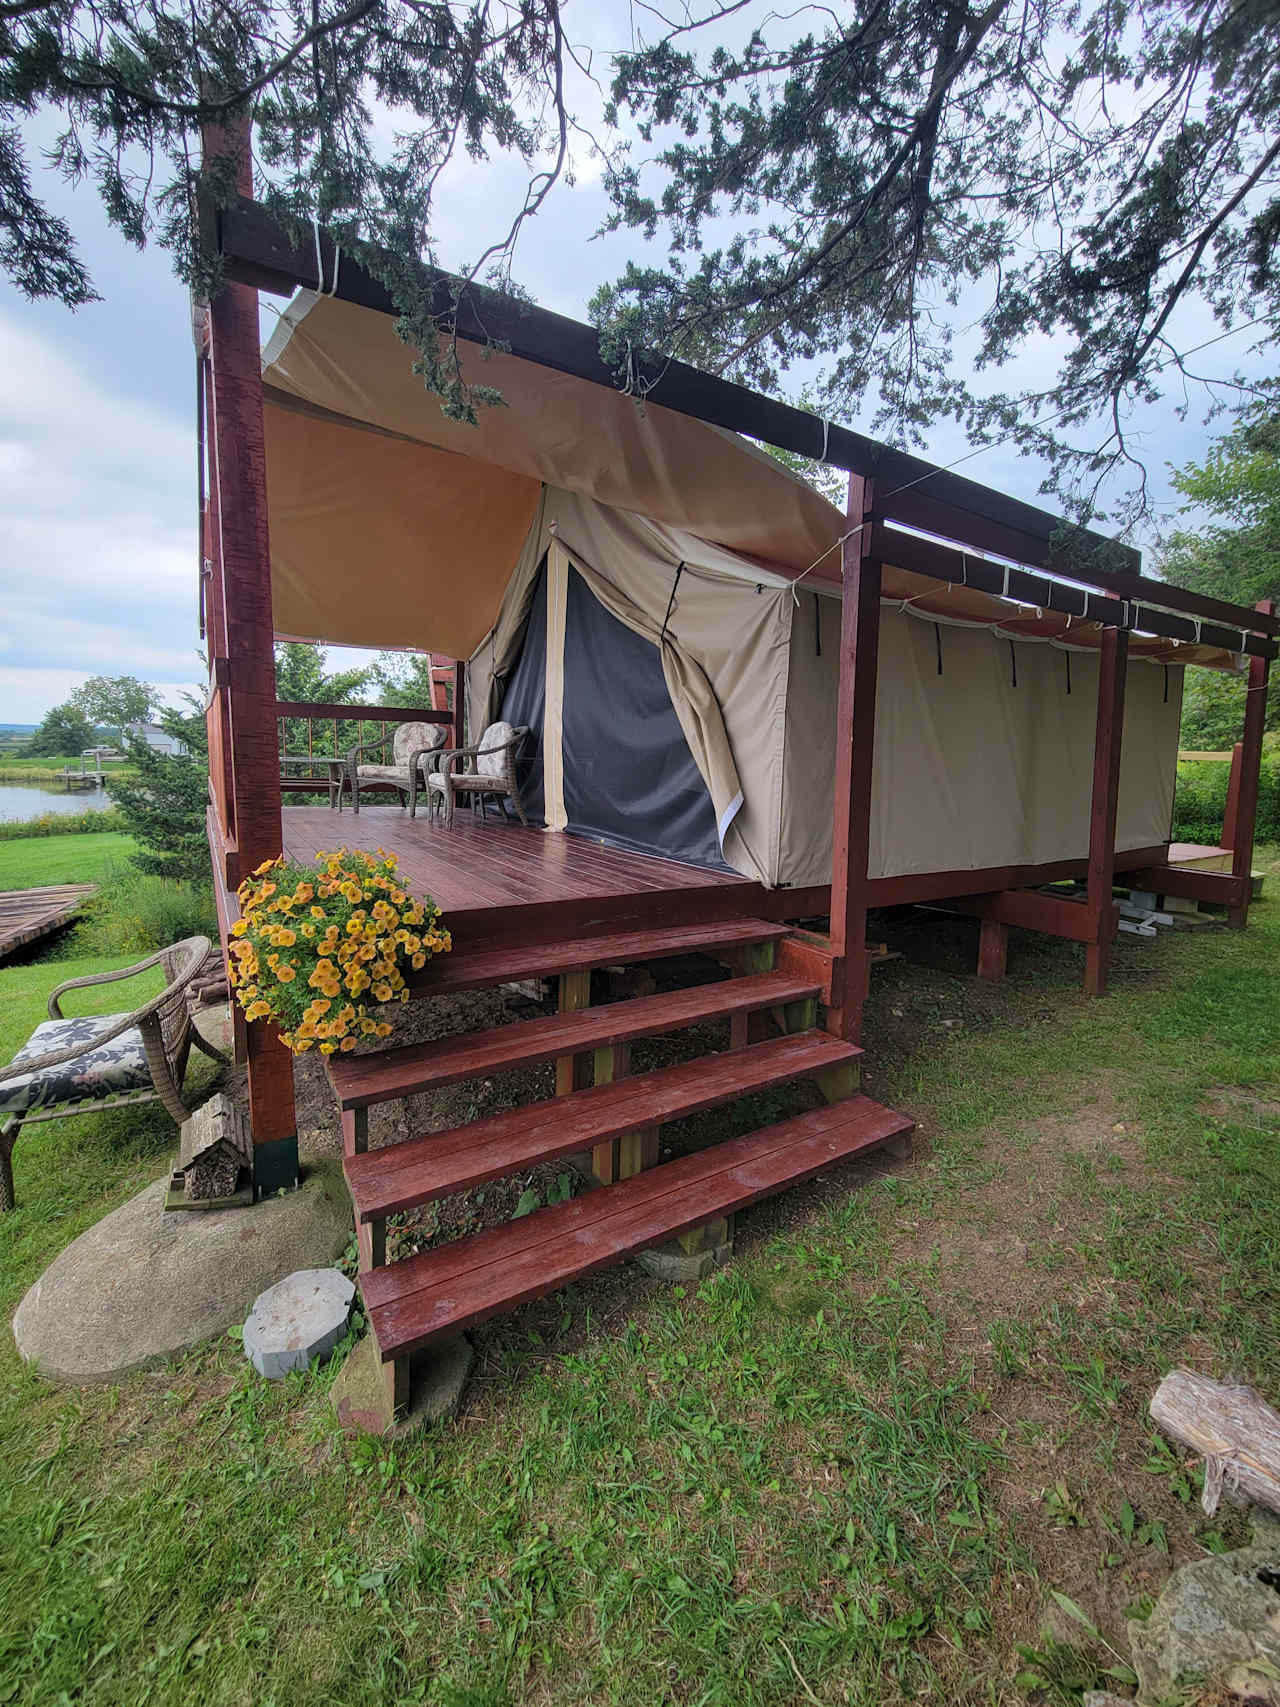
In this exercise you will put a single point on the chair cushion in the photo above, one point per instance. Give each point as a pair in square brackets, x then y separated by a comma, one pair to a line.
[494, 763]
[120, 1065]
[409, 737]
[399, 774]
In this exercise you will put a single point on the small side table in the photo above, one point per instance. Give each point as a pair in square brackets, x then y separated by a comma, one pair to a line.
[335, 781]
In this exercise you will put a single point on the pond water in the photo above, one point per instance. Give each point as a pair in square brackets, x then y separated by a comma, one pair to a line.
[31, 800]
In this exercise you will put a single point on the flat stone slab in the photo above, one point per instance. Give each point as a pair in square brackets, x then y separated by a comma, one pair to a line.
[142, 1285]
[300, 1318]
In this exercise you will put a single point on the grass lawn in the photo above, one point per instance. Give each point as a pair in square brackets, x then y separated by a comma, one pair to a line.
[853, 1466]
[30, 861]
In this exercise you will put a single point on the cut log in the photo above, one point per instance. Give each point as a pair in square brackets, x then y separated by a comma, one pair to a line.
[1232, 1428]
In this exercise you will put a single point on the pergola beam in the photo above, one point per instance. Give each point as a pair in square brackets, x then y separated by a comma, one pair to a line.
[257, 250]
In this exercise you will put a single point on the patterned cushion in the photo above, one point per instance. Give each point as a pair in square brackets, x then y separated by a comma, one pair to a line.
[384, 773]
[494, 763]
[120, 1065]
[409, 737]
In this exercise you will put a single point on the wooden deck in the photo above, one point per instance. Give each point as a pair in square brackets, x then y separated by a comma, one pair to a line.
[28, 914]
[478, 873]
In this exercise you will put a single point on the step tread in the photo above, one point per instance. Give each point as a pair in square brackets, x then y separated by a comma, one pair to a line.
[422, 1169]
[359, 1080]
[443, 1291]
[472, 969]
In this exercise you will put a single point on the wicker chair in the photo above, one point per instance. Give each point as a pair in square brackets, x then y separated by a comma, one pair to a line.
[410, 744]
[486, 770]
[79, 1066]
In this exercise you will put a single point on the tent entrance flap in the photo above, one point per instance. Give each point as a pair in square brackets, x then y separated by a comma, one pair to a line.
[524, 700]
[624, 774]
[629, 777]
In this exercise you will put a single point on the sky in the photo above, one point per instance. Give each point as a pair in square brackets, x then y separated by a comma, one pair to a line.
[98, 557]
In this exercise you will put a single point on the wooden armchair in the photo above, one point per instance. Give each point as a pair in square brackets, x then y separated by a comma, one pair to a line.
[487, 770]
[80, 1066]
[410, 744]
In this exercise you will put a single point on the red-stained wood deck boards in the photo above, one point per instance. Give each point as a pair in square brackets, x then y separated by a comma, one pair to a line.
[28, 914]
[494, 881]
[360, 1080]
[443, 1291]
[479, 968]
[401, 1176]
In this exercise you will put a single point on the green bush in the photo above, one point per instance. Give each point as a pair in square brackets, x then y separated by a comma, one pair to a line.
[63, 824]
[1201, 799]
[137, 912]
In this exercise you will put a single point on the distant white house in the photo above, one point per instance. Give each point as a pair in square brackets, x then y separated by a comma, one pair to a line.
[158, 739]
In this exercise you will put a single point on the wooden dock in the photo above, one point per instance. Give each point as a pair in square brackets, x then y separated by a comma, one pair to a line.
[27, 914]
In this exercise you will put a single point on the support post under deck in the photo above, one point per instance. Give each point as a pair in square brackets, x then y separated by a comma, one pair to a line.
[1246, 803]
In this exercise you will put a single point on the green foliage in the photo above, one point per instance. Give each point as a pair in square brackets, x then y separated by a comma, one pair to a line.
[301, 675]
[1233, 556]
[62, 824]
[64, 729]
[137, 913]
[836, 188]
[1201, 799]
[1213, 710]
[114, 701]
[404, 678]
[165, 798]
[840, 187]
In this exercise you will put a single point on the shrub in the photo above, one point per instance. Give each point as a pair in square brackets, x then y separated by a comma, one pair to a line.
[1200, 800]
[62, 824]
[137, 913]
[164, 800]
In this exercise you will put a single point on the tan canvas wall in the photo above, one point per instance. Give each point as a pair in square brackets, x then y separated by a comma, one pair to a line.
[971, 771]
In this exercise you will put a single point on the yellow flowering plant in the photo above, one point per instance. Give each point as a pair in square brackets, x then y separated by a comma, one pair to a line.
[314, 950]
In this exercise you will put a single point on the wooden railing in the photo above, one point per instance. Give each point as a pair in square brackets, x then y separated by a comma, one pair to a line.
[314, 729]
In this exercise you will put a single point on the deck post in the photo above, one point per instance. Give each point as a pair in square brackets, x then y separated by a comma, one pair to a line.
[993, 949]
[855, 745]
[459, 702]
[1231, 811]
[1113, 659]
[242, 558]
[1250, 749]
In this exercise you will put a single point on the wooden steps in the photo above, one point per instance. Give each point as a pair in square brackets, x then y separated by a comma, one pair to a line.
[402, 1176]
[361, 1080]
[476, 968]
[443, 1291]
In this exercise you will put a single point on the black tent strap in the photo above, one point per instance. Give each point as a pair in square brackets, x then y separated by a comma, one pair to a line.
[817, 626]
[671, 602]
[1013, 663]
[937, 641]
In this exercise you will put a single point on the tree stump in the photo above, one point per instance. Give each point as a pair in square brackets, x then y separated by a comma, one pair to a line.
[1232, 1428]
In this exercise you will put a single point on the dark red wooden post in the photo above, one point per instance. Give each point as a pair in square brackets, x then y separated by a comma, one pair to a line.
[993, 949]
[1246, 815]
[1113, 660]
[1231, 812]
[855, 743]
[243, 555]
[460, 703]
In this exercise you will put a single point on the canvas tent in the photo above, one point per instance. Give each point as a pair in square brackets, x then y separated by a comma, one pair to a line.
[660, 601]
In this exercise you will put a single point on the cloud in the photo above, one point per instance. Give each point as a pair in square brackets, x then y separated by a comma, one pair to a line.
[97, 551]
